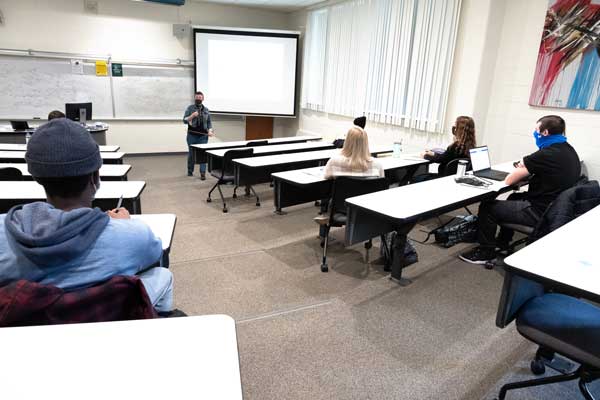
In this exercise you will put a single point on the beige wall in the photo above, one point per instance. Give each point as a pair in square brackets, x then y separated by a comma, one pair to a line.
[132, 30]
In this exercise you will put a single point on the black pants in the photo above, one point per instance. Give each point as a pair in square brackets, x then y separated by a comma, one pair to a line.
[514, 210]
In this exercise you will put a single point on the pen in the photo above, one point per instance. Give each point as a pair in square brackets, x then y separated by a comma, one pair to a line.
[120, 202]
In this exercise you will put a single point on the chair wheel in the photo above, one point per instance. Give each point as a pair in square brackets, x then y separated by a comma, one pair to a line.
[538, 367]
[324, 268]
[225, 209]
[489, 265]
[368, 245]
[258, 204]
[234, 196]
[209, 200]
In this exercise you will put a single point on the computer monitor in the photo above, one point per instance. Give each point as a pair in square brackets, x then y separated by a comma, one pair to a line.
[81, 112]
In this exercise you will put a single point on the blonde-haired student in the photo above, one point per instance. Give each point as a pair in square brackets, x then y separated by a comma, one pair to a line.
[355, 158]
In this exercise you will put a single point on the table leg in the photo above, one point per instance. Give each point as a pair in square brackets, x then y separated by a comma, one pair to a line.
[398, 244]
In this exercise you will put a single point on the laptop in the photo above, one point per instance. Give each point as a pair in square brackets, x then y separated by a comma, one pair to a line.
[19, 125]
[480, 161]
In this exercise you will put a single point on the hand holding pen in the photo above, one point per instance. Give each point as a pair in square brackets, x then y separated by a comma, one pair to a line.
[119, 212]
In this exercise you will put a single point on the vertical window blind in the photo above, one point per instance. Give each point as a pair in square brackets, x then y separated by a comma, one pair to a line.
[390, 60]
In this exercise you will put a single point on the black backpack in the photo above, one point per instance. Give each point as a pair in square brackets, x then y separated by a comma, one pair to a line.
[458, 229]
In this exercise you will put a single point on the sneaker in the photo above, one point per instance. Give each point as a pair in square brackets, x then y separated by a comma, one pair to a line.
[478, 255]
[321, 219]
[190, 174]
[175, 313]
[202, 176]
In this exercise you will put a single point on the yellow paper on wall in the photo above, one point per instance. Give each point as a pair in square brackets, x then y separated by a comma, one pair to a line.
[101, 68]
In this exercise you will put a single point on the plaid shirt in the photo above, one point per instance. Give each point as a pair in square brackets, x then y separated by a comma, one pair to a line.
[339, 165]
[24, 303]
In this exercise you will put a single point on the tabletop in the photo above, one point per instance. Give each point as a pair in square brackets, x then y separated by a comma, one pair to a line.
[163, 226]
[106, 170]
[567, 255]
[237, 143]
[275, 148]
[23, 147]
[20, 155]
[164, 358]
[10, 190]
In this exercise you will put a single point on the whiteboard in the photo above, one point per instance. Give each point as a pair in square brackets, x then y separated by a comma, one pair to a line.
[32, 87]
[153, 92]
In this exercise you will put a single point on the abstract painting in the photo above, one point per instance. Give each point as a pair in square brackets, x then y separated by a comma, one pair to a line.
[567, 74]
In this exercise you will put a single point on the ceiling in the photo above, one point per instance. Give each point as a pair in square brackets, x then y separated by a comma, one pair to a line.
[276, 5]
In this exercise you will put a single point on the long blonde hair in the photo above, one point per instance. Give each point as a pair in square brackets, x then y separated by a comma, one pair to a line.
[356, 149]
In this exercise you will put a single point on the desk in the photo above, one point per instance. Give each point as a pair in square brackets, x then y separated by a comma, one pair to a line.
[201, 149]
[399, 209]
[255, 170]
[567, 258]
[163, 226]
[152, 359]
[21, 192]
[108, 172]
[308, 184]
[9, 135]
[215, 157]
[23, 147]
[115, 157]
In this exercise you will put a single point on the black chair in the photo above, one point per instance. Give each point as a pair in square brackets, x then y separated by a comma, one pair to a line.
[257, 143]
[10, 174]
[226, 174]
[558, 324]
[345, 187]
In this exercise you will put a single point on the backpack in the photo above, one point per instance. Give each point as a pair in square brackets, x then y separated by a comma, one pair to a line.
[410, 253]
[459, 229]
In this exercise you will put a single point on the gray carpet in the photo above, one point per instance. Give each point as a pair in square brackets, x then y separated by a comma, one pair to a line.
[346, 334]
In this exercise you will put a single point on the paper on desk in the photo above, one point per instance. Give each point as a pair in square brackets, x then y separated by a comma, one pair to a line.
[316, 172]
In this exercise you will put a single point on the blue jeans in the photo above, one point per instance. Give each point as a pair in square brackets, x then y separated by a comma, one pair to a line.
[158, 283]
[195, 139]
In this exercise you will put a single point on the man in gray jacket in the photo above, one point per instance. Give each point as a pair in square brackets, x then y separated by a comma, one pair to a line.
[197, 118]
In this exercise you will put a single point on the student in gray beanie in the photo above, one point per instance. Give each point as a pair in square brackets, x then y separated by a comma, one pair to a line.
[64, 241]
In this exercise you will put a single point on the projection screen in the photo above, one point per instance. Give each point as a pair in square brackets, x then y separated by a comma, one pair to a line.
[247, 72]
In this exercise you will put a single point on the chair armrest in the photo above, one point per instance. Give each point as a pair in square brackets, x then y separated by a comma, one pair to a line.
[516, 291]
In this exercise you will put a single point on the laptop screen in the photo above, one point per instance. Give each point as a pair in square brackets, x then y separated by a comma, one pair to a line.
[480, 158]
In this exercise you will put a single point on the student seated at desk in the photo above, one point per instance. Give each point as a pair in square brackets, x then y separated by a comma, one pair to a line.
[464, 140]
[64, 242]
[553, 168]
[55, 114]
[354, 160]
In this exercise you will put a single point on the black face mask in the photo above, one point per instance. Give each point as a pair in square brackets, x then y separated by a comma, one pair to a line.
[198, 102]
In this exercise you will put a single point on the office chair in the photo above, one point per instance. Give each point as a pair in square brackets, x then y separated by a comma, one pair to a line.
[226, 174]
[10, 174]
[345, 187]
[257, 143]
[558, 323]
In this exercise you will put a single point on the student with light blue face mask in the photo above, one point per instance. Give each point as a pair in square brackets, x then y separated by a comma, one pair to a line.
[552, 169]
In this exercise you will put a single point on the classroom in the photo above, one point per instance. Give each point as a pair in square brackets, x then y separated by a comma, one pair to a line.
[299, 199]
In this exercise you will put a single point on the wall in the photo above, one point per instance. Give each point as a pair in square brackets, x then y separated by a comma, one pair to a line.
[510, 120]
[132, 30]
[478, 34]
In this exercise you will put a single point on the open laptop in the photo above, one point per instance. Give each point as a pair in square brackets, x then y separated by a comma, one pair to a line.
[480, 160]
[19, 125]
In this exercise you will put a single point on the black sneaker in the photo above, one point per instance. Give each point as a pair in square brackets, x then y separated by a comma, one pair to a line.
[478, 255]
[175, 313]
[190, 174]
[202, 176]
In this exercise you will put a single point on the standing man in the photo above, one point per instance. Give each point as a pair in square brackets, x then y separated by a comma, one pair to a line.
[197, 118]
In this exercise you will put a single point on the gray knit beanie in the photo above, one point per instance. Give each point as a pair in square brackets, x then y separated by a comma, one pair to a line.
[62, 148]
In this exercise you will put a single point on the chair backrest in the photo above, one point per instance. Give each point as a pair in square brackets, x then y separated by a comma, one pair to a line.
[10, 174]
[232, 155]
[451, 167]
[257, 143]
[345, 187]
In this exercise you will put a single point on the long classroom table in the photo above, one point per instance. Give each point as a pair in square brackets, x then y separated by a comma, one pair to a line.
[123, 360]
[108, 172]
[201, 149]
[23, 147]
[255, 170]
[399, 209]
[305, 185]
[107, 197]
[114, 157]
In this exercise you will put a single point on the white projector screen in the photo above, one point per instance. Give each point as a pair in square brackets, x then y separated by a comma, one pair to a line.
[247, 72]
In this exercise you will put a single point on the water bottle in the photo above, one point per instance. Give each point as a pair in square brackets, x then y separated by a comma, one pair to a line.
[461, 170]
[397, 149]
[27, 137]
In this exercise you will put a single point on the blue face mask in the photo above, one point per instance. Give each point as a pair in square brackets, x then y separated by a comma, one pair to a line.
[545, 141]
